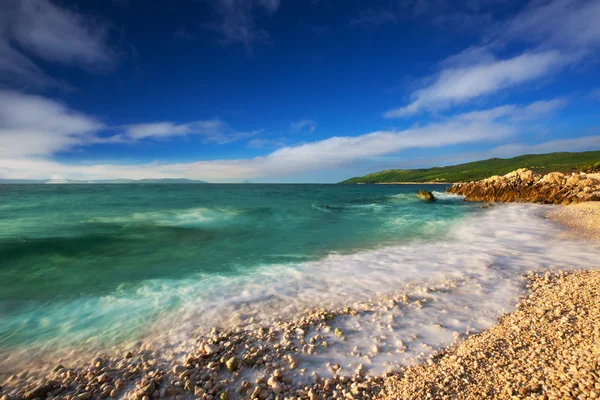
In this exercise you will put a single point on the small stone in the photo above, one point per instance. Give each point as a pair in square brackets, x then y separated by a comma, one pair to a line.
[231, 364]
[211, 349]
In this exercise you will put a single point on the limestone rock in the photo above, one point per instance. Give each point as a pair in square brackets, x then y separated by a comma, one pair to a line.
[425, 196]
[524, 185]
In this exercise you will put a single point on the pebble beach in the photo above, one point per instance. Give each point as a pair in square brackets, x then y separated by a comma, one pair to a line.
[549, 348]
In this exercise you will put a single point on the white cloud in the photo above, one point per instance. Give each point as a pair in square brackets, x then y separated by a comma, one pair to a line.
[567, 24]
[306, 125]
[260, 143]
[32, 29]
[33, 129]
[213, 131]
[456, 85]
[583, 143]
[287, 161]
[35, 126]
[559, 33]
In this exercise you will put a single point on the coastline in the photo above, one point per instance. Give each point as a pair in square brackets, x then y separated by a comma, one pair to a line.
[412, 183]
[273, 364]
[546, 349]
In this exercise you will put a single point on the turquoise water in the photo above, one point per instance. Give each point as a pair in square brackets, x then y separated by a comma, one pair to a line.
[81, 263]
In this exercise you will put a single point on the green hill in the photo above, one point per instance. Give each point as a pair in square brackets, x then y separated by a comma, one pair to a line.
[542, 163]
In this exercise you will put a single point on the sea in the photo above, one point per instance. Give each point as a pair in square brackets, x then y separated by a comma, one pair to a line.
[90, 267]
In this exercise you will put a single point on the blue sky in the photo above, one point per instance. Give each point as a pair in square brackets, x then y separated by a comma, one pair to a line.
[290, 91]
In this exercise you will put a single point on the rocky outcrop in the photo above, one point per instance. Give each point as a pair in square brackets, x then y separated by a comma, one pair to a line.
[524, 185]
[425, 195]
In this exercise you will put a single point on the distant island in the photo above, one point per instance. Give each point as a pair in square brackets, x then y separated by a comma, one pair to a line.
[565, 162]
[101, 181]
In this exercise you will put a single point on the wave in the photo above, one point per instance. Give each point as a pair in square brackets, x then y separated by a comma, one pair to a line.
[174, 218]
[466, 279]
[448, 196]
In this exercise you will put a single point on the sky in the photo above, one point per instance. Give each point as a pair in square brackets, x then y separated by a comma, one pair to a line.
[290, 90]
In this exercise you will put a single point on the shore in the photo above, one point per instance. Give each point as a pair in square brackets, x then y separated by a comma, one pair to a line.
[583, 219]
[549, 348]
[414, 183]
[249, 361]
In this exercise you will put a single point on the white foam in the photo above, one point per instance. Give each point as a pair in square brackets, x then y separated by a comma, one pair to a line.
[475, 270]
[478, 264]
[184, 217]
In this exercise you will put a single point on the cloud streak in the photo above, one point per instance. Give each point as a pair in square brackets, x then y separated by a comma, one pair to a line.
[237, 21]
[31, 29]
[33, 125]
[455, 86]
[560, 33]
[36, 126]
[305, 125]
[487, 125]
[212, 131]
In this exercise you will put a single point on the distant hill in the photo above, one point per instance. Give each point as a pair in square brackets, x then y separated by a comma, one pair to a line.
[102, 181]
[542, 163]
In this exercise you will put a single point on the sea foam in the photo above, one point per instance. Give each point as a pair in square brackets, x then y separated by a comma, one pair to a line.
[464, 280]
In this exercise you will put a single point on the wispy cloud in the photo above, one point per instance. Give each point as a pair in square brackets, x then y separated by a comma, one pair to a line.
[212, 131]
[566, 24]
[572, 144]
[261, 143]
[559, 33]
[461, 15]
[455, 86]
[37, 126]
[488, 125]
[305, 125]
[32, 29]
[237, 21]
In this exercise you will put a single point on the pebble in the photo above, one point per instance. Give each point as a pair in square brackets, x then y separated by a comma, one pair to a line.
[527, 355]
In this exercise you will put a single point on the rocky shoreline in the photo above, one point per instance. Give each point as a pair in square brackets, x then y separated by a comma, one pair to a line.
[236, 363]
[547, 349]
[524, 185]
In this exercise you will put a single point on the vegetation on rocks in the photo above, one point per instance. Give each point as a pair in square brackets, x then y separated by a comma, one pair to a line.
[540, 163]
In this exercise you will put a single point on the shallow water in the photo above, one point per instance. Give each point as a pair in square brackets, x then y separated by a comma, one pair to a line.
[97, 265]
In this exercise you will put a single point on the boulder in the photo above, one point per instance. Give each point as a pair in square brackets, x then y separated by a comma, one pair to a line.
[425, 196]
[553, 178]
[522, 175]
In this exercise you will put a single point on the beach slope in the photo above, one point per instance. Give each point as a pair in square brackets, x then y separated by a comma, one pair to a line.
[549, 348]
